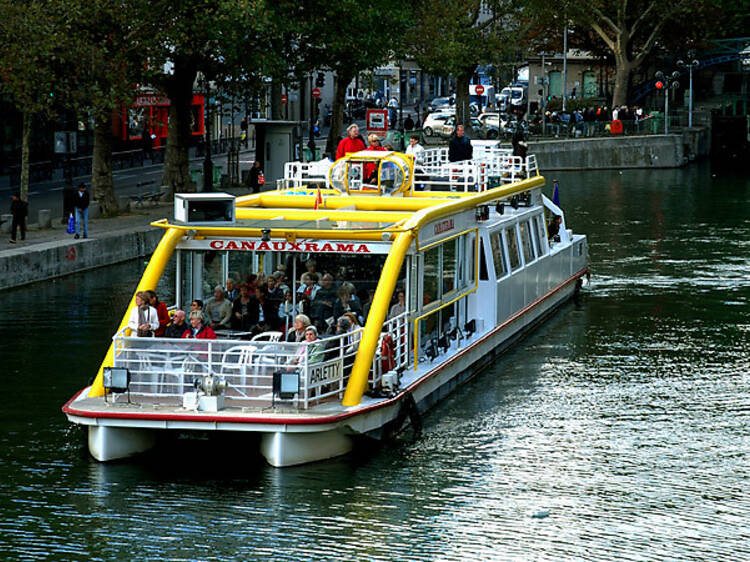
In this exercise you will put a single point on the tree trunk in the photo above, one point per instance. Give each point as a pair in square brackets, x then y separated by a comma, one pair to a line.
[25, 139]
[277, 108]
[102, 185]
[341, 81]
[177, 160]
[463, 114]
[623, 71]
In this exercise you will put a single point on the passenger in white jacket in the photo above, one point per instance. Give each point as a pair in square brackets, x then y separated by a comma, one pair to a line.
[143, 318]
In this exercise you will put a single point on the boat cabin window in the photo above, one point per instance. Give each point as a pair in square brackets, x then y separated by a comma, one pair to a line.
[483, 275]
[513, 256]
[540, 234]
[528, 249]
[448, 269]
[498, 254]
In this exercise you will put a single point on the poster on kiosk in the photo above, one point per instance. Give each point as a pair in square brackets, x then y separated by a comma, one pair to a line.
[377, 120]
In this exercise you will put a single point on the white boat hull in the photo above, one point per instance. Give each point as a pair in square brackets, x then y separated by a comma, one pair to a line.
[286, 444]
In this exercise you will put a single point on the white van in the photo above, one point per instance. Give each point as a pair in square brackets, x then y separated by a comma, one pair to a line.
[511, 96]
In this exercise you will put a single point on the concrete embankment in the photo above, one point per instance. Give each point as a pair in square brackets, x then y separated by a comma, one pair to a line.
[48, 260]
[600, 153]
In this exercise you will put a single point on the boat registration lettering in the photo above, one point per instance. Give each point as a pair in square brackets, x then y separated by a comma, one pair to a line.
[444, 226]
[282, 246]
[325, 373]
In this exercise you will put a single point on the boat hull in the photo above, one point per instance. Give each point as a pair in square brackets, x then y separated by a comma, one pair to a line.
[294, 441]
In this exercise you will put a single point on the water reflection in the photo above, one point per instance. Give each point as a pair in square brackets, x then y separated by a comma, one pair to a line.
[625, 419]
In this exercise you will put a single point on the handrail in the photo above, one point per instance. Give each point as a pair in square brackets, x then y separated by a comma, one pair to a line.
[387, 283]
[154, 270]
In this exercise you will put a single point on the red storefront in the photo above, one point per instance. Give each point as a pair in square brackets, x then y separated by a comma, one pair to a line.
[151, 112]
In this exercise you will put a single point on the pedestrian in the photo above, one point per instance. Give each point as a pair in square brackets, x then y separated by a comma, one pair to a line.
[518, 141]
[243, 129]
[19, 209]
[256, 172]
[460, 147]
[408, 123]
[82, 211]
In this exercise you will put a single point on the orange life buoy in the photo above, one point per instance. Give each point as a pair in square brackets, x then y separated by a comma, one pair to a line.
[387, 354]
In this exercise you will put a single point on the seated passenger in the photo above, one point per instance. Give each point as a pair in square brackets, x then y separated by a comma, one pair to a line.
[161, 312]
[242, 310]
[219, 310]
[274, 290]
[347, 301]
[232, 291]
[198, 329]
[400, 306]
[310, 286]
[322, 305]
[297, 332]
[287, 311]
[144, 320]
[310, 268]
[196, 304]
[315, 353]
[178, 325]
[266, 311]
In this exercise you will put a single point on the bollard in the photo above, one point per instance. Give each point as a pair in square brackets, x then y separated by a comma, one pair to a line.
[45, 218]
[5, 222]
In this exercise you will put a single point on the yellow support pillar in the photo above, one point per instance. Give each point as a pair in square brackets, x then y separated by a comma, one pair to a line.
[151, 276]
[357, 384]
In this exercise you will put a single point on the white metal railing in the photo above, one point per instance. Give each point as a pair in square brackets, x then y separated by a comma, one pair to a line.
[163, 369]
[304, 174]
[498, 163]
[393, 348]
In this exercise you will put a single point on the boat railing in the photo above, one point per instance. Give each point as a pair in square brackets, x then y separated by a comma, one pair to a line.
[162, 370]
[466, 176]
[303, 174]
[497, 163]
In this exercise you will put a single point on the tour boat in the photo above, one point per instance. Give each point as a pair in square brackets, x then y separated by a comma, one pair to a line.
[466, 242]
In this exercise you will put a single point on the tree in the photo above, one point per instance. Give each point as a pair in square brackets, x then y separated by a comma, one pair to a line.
[112, 43]
[631, 29]
[34, 51]
[478, 32]
[374, 33]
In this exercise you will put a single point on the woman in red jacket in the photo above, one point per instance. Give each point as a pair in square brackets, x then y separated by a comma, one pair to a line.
[353, 142]
[161, 312]
[198, 329]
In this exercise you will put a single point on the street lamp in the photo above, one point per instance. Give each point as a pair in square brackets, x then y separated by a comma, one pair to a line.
[690, 66]
[666, 83]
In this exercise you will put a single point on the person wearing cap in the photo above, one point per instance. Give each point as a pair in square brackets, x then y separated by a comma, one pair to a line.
[218, 310]
[82, 211]
[352, 142]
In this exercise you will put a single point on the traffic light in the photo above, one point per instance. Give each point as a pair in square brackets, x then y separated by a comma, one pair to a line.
[659, 85]
[320, 80]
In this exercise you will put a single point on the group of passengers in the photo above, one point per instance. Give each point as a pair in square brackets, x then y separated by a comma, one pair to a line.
[151, 318]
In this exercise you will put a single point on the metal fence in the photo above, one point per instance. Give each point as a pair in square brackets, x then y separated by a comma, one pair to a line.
[163, 369]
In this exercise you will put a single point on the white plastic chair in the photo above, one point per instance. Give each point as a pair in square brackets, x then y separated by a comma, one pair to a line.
[235, 362]
[268, 336]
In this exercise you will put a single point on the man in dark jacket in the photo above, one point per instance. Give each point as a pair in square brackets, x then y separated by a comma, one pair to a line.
[82, 211]
[460, 146]
[19, 209]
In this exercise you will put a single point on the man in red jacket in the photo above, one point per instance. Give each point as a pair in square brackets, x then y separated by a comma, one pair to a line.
[353, 142]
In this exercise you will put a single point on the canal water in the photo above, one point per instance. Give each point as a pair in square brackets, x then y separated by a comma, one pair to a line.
[618, 431]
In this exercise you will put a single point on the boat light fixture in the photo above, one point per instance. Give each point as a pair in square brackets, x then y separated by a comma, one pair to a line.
[266, 235]
[500, 208]
[285, 385]
[514, 201]
[470, 327]
[116, 379]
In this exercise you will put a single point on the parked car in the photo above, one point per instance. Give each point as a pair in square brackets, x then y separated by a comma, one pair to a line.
[479, 129]
[433, 123]
[494, 120]
[440, 104]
